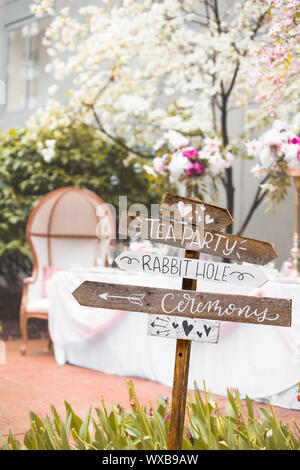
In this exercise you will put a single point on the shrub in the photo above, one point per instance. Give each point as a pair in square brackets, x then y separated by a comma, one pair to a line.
[146, 428]
[82, 159]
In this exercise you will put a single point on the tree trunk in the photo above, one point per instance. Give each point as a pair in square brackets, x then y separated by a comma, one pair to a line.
[229, 172]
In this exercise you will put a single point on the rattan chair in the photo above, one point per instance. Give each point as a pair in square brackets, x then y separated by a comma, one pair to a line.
[61, 233]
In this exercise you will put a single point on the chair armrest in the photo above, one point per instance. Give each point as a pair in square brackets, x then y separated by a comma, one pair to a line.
[24, 300]
[28, 280]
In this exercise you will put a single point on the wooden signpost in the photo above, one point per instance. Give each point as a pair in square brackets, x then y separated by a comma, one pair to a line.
[187, 314]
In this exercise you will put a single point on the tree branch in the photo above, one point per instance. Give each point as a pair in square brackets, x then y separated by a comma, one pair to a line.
[227, 93]
[217, 17]
[113, 138]
[258, 198]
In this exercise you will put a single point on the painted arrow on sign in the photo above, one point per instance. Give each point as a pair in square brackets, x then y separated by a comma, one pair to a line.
[195, 212]
[185, 303]
[134, 298]
[206, 331]
[189, 237]
[175, 266]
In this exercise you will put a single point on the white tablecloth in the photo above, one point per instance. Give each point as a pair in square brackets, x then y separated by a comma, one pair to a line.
[256, 359]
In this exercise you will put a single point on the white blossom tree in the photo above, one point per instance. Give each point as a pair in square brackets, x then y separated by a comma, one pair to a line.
[145, 68]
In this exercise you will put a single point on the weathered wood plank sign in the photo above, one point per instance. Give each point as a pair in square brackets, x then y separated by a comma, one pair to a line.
[188, 304]
[195, 212]
[188, 314]
[166, 326]
[175, 266]
[189, 237]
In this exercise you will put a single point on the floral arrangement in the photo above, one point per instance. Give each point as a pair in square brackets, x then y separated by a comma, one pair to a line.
[273, 152]
[275, 149]
[180, 161]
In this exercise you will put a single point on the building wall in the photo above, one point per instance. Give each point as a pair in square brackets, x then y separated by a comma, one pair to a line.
[264, 225]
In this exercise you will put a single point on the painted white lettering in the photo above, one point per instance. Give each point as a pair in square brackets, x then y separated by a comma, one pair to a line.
[229, 249]
[186, 231]
[207, 239]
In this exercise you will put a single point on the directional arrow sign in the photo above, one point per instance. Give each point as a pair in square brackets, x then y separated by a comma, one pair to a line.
[191, 238]
[184, 303]
[164, 326]
[195, 212]
[192, 269]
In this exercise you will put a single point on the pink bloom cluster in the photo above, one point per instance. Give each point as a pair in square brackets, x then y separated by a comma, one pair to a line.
[296, 141]
[277, 56]
[191, 153]
[188, 161]
[195, 168]
[274, 145]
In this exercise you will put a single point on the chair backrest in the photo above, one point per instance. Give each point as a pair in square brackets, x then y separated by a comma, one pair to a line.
[61, 231]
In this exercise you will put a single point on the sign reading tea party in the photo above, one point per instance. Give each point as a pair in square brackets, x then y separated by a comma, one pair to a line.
[189, 237]
[187, 314]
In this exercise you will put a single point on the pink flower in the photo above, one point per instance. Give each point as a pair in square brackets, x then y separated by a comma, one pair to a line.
[273, 138]
[296, 141]
[195, 169]
[229, 158]
[158, 164]
[190, 153]
[167, 415]
[259, 293]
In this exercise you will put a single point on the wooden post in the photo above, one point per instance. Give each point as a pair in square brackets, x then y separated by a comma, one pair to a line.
[181, 375]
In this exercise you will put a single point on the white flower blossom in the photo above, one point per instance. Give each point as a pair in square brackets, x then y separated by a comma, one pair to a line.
[258, 171]
[266, 157]
[253, 148]
[268, 187]
[177, 166]
[52, 90]
[176, 140]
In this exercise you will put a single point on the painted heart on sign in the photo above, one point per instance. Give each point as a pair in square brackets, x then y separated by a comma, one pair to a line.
[183, 209]
[187, 328]
[207, 329]
[199, 334]
[175, 325]
[208, 219]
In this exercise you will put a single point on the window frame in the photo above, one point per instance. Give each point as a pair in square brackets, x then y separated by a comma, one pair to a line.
[19, 24]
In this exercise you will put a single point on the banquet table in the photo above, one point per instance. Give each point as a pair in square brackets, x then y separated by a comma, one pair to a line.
[261, 361]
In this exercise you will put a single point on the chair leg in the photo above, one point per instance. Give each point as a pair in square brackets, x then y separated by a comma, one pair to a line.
[23, 327]
[50, 344]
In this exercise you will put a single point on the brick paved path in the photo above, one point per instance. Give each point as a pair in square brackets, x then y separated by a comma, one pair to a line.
[34, 382]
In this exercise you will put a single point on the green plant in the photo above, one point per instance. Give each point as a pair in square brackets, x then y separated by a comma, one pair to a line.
[146, 428]
[80, 158]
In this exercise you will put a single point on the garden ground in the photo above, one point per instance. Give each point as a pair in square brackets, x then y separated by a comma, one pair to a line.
[34, 382]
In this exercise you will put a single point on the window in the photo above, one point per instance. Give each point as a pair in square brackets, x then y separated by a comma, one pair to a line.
[27, 81]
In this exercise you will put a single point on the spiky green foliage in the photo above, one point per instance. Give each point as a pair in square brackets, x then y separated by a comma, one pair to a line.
[146, 427]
